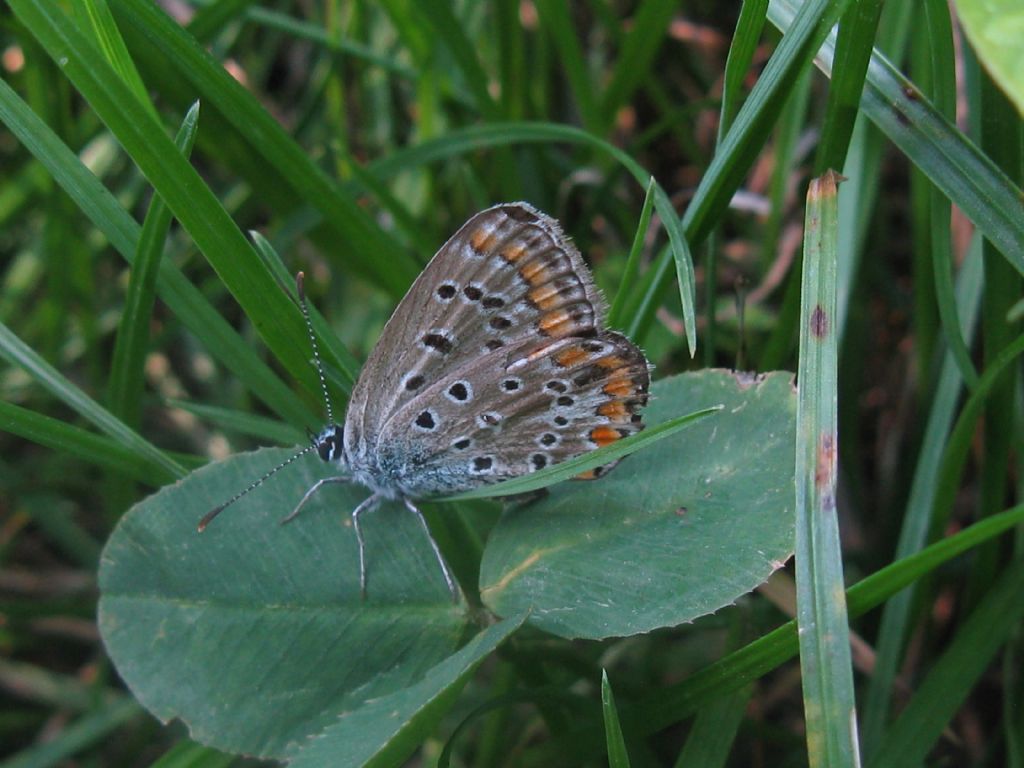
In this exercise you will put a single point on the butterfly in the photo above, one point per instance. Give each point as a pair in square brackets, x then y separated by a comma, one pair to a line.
[496, 363]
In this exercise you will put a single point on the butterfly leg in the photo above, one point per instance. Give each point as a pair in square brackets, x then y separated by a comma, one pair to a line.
[309, 494]
[437, 551]
[367, 503]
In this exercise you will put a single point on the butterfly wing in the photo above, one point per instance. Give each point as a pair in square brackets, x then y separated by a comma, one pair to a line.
[508, 276]
[516, 410]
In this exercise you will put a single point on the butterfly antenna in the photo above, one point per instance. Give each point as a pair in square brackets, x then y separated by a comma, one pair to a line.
[252, 487]
[299, 278]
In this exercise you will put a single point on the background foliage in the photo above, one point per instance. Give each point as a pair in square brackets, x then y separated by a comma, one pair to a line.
[355, 137]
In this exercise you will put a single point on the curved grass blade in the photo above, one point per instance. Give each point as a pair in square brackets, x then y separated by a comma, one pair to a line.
[934, 145]
[937, 699]
[126, 370]
[378, 254]
[673, 703]
[17, 353]
[615, 318]
[278, 322]
[502, 134]
[568, 469]
[75, 441]
[191, 308]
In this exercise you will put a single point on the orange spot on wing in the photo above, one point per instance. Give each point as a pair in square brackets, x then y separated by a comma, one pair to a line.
[615, 410]
[610, 362]
[603, 436]
[570, 356]
[481, 240]
[513, 253]
[553, 321]
[621, 387]
[544, 296]
[535, 273]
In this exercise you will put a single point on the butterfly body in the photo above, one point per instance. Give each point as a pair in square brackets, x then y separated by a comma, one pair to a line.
[495, 364]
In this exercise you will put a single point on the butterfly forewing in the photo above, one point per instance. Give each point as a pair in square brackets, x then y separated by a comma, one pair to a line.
[508, 276]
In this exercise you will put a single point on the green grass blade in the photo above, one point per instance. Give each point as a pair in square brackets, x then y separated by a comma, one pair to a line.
[556, 19]
[675, 702]
[618, 757]
[108, 37]
[853, 52]
[209, 20]
[75, 441]
[943, 80]
[736, 153]
[81, 734]
[449, 30]
[308, 31]
[278, 321]
[17, 353]
[615, 314]
[749, 27]
[181, 296]
[950, 680]
[968, 178]
[189, 754]
[565, 470]
[955, 456]
[741, 145]
[243, 423]
[918, 514]
[1001, 134]
[127, 368]
[346, 363]
[639, 47]
[714, 730]
[829, 707]
[373, 251]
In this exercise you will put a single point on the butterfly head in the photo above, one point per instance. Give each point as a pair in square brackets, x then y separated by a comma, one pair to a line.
[328, 443]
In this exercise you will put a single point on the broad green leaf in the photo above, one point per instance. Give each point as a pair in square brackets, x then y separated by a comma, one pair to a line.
[253, 634]
[674, 533]
[387, 730]
[995, 29]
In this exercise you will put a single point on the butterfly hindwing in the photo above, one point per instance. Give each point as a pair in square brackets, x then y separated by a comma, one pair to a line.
[517, 410]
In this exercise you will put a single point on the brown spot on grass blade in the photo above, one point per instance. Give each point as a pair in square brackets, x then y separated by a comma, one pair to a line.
[825, 469]
[819, 322]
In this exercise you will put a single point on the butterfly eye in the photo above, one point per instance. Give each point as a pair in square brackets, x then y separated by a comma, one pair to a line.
[328, 443]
